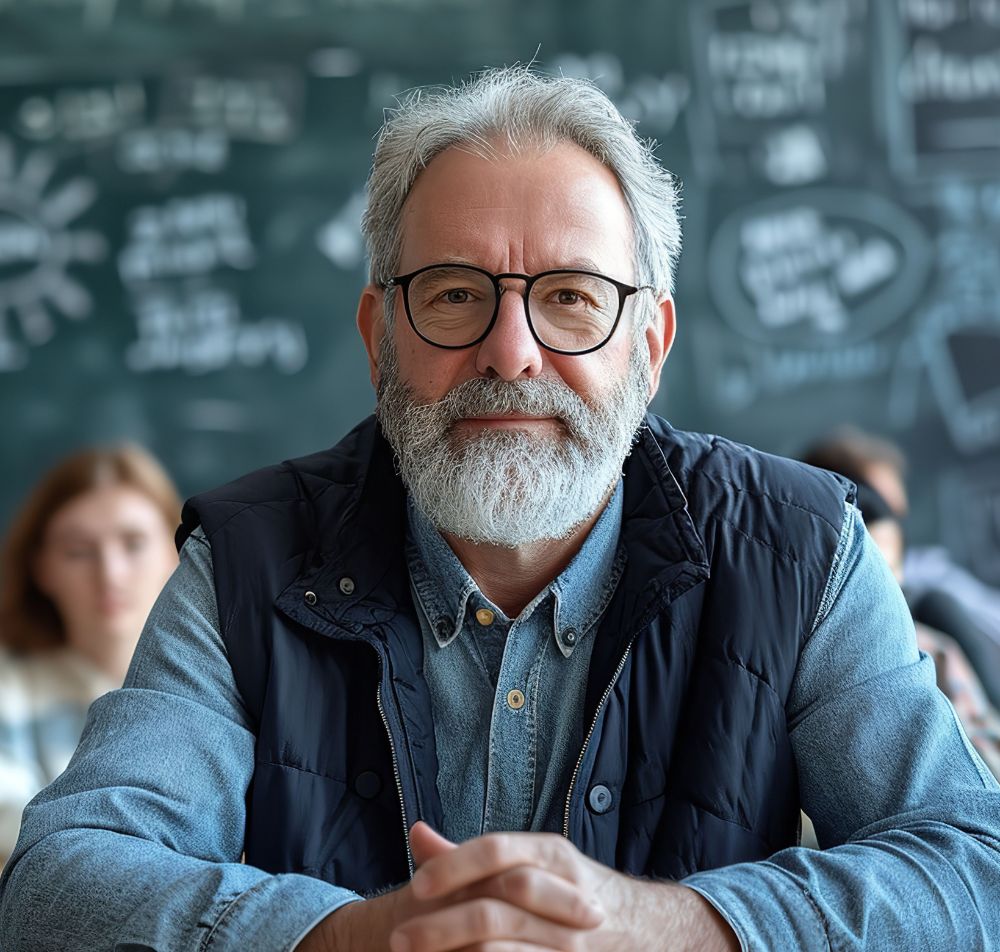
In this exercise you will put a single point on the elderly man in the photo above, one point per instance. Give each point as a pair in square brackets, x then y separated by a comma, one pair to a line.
[460, 683]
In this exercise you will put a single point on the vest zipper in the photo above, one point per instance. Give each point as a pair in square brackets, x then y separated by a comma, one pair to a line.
[586, 741]
[395, 770]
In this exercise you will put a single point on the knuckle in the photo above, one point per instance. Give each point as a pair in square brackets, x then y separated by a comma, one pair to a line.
[497, 847]
[519, 884]
[559, 849]
[486, 918]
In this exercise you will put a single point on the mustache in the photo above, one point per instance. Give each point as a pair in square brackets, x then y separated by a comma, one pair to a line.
[542, 397]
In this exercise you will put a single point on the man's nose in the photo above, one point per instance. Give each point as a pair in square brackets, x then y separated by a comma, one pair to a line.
[510, 350]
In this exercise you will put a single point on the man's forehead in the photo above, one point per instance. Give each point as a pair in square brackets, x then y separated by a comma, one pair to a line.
[555, 202]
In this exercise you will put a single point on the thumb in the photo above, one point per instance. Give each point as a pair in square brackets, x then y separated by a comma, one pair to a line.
[425, 843]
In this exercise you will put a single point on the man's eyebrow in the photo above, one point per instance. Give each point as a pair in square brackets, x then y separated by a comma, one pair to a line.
[581, 264]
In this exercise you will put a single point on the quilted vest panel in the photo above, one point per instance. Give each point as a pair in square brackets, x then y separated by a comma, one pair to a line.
[728, 554]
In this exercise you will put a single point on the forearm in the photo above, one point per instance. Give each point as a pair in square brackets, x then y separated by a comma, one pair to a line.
[862, 895]
[669, 916]
[361, 926]
[150, 898]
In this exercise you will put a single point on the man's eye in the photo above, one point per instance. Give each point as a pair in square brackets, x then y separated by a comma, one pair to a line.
[568, 297]
[456, 296]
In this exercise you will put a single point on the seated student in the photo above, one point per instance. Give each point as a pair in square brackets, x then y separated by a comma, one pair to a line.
[82, 563]
[940, 593]
[955, 675]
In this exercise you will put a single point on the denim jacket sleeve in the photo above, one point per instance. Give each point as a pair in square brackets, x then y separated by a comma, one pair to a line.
[137, 845]
[907, 813]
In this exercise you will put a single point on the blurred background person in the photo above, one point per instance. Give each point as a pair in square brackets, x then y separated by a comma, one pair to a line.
[965, 659]
[955, 675]
[941, 593]
[80, 567]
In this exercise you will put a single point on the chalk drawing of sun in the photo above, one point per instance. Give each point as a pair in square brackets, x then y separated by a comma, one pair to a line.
[37, 246]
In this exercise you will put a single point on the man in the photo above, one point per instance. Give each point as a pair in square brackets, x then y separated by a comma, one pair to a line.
[463, 667]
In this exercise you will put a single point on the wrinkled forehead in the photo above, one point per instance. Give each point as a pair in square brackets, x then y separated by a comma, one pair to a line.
[538, 206]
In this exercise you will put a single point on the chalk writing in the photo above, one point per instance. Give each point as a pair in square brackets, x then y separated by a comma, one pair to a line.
[155, 150]
[735, 375]
[765, 72]
[931, 72]
[187, 236]
[817, 267]
[199, 329]
[81, 113]
[943, 84]
[257, 108]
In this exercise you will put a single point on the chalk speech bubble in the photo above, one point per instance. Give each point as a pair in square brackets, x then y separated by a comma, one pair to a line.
[818, 267]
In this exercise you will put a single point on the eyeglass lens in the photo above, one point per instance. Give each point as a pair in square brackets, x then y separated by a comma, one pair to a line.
[453, 306]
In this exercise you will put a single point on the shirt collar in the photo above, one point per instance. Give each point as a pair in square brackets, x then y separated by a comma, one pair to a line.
[578, 596]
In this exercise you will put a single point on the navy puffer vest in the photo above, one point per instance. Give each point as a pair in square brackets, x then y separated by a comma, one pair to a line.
[687, 763]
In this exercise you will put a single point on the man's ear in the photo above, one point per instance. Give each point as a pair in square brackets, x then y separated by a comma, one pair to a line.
[660, 338]
[371, 325]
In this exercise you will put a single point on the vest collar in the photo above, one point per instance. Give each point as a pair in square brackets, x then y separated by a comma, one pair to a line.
[357, 577]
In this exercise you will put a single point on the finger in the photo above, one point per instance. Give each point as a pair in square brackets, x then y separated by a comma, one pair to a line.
[490, 855]
[426, 843]
[479, 921]
[543, 894]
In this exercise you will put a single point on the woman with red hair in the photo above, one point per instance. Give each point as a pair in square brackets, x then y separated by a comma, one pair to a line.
[80, 567]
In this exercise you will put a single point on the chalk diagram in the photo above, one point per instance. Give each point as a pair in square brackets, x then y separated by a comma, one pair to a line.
[955, 342]
[38, 245]
[819, 267]
[959, 350]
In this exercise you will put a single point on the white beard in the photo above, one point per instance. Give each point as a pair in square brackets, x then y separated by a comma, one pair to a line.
[511, 487]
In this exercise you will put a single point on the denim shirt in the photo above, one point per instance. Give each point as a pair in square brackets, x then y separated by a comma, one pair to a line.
[137, 845]
[508, 694]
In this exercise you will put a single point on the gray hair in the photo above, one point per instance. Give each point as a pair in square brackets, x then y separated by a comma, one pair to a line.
[520, 107]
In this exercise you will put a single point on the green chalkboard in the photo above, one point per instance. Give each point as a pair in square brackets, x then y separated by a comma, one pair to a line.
[181, 183]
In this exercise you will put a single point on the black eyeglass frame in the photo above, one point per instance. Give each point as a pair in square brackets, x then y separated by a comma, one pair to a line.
[624, 292]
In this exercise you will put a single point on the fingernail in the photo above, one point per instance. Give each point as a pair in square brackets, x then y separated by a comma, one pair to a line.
[398, 942]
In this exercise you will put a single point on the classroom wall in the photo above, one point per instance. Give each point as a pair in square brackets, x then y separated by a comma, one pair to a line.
[181, 183]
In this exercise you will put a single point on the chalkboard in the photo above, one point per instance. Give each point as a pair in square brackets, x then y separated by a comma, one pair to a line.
[181, 184]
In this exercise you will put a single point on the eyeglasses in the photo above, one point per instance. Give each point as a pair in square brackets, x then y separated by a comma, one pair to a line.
[568, 311]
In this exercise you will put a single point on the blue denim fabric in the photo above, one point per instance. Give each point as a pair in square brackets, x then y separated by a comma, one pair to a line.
[504, 768]
[888, 777]
[136, 846]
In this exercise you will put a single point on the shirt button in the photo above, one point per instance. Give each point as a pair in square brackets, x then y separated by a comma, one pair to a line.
[310, 598]
[347, 585]
[515, 699]
[485, 617]
[570, 636]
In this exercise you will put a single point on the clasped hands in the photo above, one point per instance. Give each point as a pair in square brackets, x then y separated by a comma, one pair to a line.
[520, 892]
[503, 891]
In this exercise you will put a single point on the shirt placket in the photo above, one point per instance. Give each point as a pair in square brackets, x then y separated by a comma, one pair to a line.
[514, 728]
